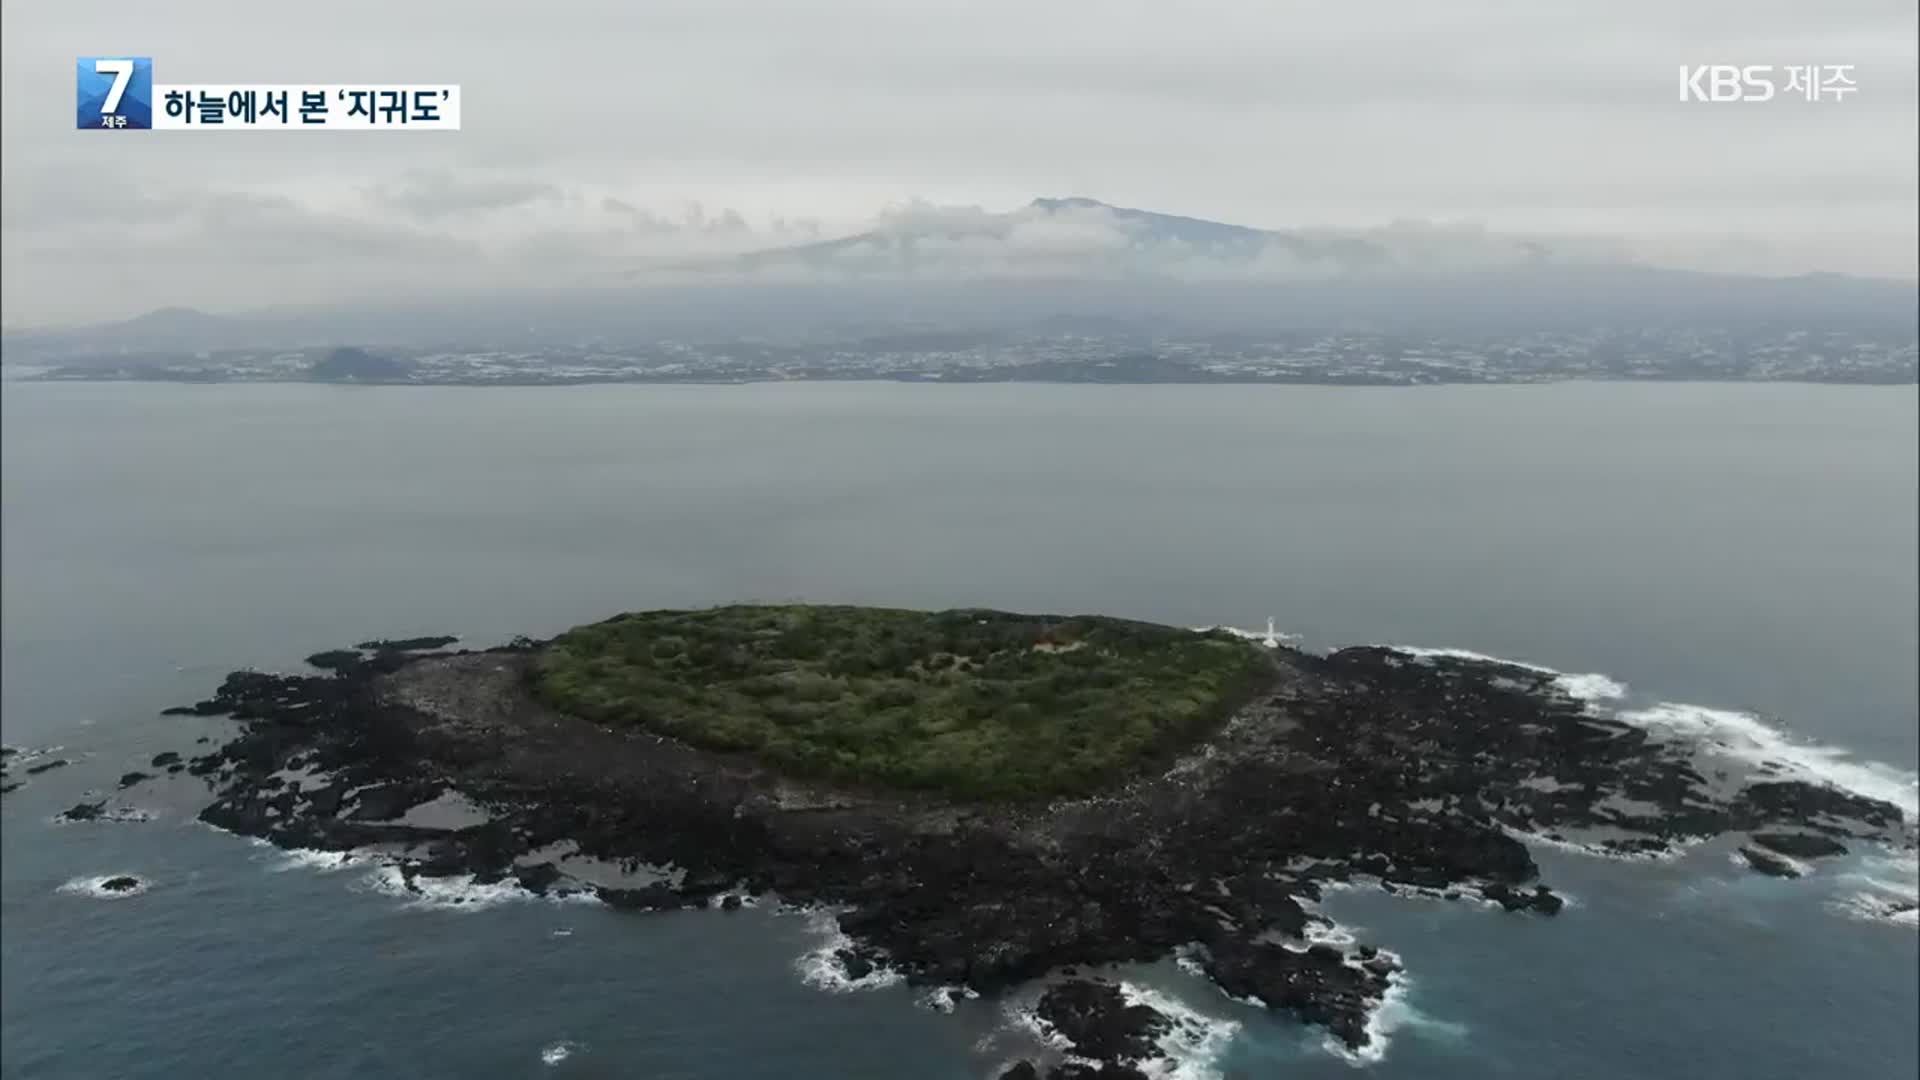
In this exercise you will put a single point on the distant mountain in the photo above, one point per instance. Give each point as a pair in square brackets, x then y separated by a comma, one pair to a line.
[1056, 266]
[164, 329]
[1079, 237]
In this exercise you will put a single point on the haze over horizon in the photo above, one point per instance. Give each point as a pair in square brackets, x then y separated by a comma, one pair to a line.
[687, 130]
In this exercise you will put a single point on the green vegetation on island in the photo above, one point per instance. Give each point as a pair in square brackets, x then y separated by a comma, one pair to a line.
[968, 702]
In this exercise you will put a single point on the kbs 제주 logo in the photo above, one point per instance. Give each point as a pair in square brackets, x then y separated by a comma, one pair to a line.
[115, 92]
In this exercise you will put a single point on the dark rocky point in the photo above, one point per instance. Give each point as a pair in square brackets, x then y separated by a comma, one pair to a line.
[1800, 845]
[35, 770]
[1365, 765]
[127, 780]
[412, 644]
[1765, 862]
[335, 659]
[162, 760]
[121, 883]
[1096, 1019]
[83, 811]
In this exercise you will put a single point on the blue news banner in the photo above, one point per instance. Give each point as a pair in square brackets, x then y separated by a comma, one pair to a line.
[117, 93]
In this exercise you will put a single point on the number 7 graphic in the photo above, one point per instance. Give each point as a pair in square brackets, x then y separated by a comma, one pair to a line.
[122, 72]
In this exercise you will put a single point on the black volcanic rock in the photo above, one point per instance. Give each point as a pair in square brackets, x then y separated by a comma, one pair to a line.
[162, 760]
[1540, 898]
[120, 883]
[1318, 985]
[1366, 766]
[1096, 1019]
[538, 877]
[83, 811]
[412, 644]
[37, 769]
[1796, 801]
[1766, 862]
[127, 780]
[656, 897]
[855, 963]
[1800, 845]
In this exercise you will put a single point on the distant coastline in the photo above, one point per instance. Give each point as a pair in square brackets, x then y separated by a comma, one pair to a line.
[1327, 379]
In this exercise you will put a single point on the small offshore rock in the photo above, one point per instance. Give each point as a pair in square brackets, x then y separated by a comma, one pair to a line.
[1765, 862]
[412, 644]
[1800, 845]
[84, 811]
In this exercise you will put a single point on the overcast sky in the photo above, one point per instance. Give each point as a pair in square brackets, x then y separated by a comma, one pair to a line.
[601, 131]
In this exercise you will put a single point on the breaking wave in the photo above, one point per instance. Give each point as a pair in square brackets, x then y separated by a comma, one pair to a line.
[1882, 889]
[822, 968]
[1746, 737]
[1192, 1047]
[1590, 687]
[1739, 735]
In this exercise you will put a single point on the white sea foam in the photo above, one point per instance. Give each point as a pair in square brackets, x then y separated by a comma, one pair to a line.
[325, 862]
[1192, 1047]
[944, 998]
[95, 887]
[556, 1052]
[821, 968]
[1882, 888]
[1870, 906]
[1748, 738]
[1739, 735]
[1467, 654]
[1674, 848]
[1590, 687]
[1324, 931]
[458, 893]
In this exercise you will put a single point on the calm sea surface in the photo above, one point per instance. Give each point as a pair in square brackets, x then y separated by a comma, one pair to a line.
[1750, 549]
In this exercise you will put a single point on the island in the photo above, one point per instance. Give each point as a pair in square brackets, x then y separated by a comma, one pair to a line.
[986, 801]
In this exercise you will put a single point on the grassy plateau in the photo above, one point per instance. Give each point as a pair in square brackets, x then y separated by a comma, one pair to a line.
[967, 702]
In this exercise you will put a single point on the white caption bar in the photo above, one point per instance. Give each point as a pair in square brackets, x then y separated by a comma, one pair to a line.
[283, 107]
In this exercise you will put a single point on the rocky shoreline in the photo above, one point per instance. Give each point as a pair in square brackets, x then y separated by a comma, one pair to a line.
[1366, 766]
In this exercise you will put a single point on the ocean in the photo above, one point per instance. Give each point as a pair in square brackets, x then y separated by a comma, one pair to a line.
[1741, 558]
